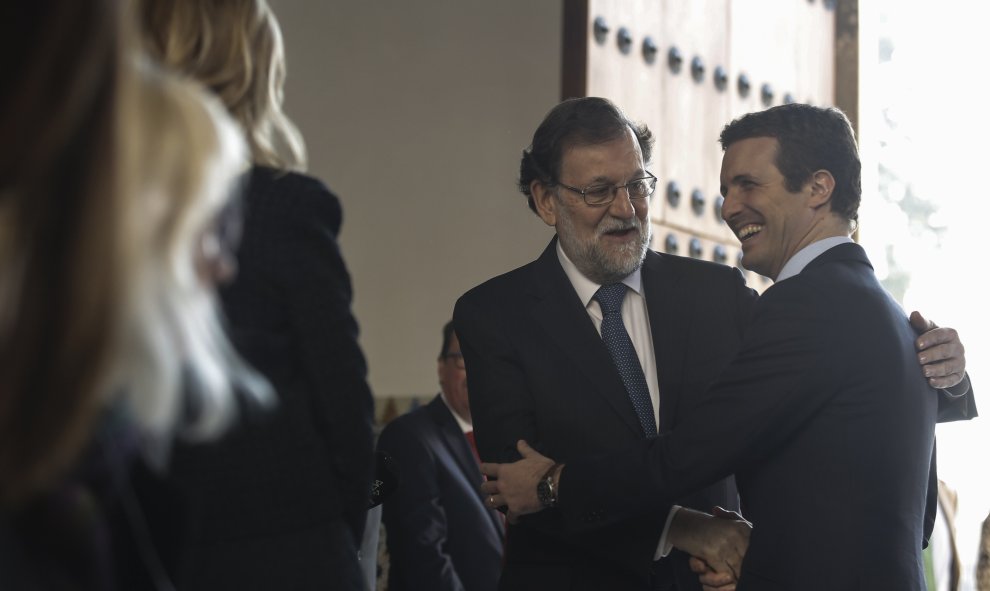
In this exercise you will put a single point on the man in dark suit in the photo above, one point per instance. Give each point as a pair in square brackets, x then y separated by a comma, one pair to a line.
[823, 415]
[540, 371]
[440, 534]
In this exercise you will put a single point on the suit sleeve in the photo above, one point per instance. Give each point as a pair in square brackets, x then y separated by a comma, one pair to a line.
[957, 403]
[748, 413]
[501, 402]
[318, 297]
[503, 410]
[414, 516]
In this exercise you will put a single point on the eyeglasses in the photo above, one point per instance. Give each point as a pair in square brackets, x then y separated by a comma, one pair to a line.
[598, 195]
[457, 358]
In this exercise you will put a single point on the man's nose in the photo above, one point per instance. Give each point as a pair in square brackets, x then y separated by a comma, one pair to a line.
[622, 206]
[730, 206]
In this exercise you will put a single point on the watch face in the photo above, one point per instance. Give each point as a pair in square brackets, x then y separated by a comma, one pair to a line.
[543, 493]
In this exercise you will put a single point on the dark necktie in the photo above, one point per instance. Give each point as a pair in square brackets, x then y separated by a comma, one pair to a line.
[610, 298]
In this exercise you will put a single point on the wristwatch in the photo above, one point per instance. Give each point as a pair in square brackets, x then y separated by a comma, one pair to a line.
[545, 490]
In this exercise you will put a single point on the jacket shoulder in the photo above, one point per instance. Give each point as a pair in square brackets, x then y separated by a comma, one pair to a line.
[706, 275]
[417, 424]
[501, 286]
[292, 195]
[692, 265]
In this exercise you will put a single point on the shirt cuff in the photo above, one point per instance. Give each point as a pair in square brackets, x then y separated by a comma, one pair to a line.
[664, 547]
[960, 389]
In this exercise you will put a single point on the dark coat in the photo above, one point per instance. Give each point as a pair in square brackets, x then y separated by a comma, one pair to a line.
[281, 501]
[538, 370]
[827, 423]
[440, 534]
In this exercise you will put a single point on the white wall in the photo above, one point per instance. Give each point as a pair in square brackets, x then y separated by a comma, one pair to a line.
[415, 114]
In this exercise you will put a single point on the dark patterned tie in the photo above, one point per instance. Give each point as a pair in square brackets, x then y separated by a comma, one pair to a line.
[610, 298]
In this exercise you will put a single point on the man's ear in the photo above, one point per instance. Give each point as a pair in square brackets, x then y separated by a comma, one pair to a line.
[822, 186]
[545, 202]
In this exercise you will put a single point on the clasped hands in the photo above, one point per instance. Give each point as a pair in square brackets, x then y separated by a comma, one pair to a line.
[717, 543]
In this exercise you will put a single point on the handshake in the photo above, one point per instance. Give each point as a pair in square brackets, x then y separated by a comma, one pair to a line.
[717, 543]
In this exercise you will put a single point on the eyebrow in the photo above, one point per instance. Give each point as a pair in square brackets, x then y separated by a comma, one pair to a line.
[600, 179]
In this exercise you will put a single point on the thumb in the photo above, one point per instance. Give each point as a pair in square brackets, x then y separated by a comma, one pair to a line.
[525, 450]
[920, 324]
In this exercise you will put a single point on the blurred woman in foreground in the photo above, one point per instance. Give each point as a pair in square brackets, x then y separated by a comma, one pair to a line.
[112, 177]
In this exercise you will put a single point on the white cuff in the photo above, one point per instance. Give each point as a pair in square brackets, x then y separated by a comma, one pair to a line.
[664, 547]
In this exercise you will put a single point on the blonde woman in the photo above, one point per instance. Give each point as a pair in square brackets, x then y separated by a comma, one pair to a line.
[282, 501]
[109, 340]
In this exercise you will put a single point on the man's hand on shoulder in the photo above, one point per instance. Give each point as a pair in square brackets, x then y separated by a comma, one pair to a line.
[940, 353]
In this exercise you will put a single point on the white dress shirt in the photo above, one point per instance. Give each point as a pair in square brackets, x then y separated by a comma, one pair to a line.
[634, 316]
[636, 319]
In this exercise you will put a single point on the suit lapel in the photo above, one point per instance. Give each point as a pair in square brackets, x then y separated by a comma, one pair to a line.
[559, 311]
[454, 439]
[669, 326]
[461, 451]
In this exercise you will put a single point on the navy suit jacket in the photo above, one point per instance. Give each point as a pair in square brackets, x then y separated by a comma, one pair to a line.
[439, 533]
[538, 370]
[827, 423]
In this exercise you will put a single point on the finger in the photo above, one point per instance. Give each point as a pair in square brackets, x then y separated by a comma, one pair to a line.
[489, 487]
[945, 382]
[938, 336]
[525, 450]
[920, 324]
[714, 579]
[949, 353]
[490, 470]
[732, 569]
[697, 565]
[941, 369]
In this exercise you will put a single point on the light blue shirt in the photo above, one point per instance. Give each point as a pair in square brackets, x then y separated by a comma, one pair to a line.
[801, 258]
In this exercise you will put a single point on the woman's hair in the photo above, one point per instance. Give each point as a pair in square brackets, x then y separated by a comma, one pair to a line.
[178, 370]
[63, 257]
[110, 175]
[234, 48]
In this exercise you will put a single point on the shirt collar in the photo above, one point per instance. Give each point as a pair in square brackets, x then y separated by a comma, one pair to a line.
[464, 425]
[586, 288]
[801, 258]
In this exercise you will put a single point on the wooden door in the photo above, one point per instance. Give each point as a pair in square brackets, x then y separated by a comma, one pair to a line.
[686, 68]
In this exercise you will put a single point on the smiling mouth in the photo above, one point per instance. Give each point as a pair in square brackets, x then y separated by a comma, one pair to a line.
[620, 233]
[748, 231]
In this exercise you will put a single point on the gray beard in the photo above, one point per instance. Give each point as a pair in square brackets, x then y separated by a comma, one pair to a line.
[594, 263]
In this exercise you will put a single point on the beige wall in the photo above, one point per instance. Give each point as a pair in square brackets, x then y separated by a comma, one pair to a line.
[415, 114]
